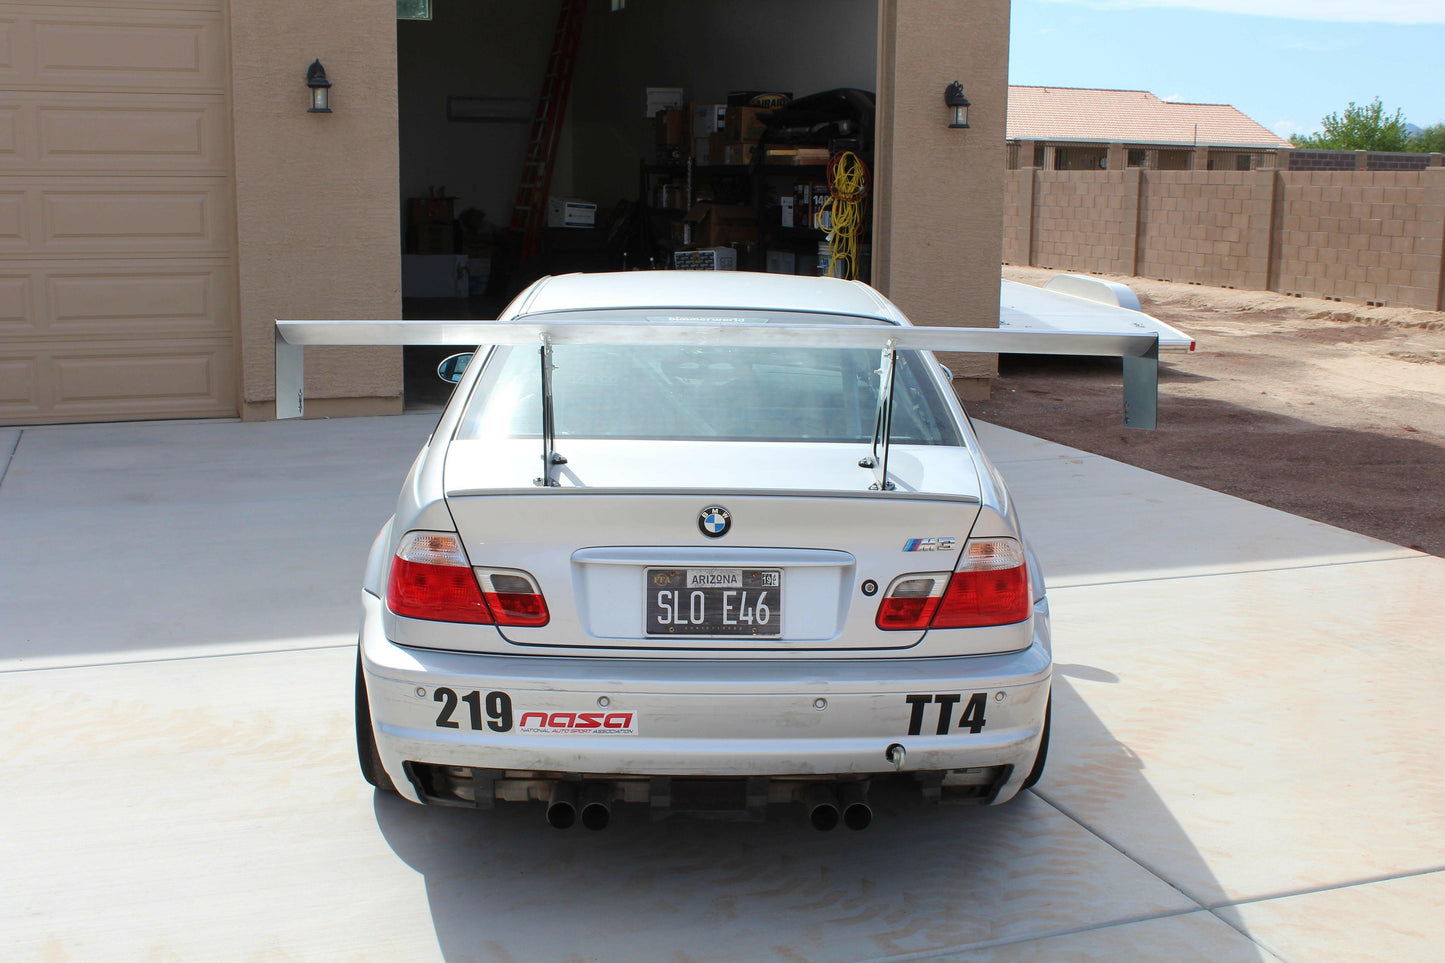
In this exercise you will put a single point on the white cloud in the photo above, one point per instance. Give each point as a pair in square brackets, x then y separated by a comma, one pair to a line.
[1285, 128]
[1173, 99]
[1352, 11]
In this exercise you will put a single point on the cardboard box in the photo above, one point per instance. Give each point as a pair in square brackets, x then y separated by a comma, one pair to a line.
[745, 124]
[566, 212]
[723, 151]
[718, 225]
[433, 238]
[670, 126]
[430, 210]
[708, 119]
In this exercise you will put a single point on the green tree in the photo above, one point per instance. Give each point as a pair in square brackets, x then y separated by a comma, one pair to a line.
[1429, 139]
[1361, 128]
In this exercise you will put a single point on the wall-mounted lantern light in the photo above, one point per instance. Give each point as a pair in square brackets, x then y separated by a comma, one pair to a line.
[320, 88]
[953, 97]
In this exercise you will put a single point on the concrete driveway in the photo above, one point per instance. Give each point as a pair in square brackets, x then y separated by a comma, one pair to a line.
[1244, 764]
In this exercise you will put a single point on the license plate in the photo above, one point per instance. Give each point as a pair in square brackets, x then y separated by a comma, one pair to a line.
[714, 601]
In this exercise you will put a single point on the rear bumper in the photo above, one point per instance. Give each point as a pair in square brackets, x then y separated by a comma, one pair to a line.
[696, 717]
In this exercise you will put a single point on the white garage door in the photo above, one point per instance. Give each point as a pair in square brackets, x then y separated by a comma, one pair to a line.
[117, 283]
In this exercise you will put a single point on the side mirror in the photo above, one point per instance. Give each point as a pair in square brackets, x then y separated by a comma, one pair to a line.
[452, 368]
[948, 375]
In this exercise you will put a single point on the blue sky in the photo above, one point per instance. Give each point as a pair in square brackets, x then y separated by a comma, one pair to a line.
[1286, 65]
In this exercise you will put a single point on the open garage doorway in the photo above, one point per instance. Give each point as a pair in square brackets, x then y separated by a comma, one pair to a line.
[629, 190]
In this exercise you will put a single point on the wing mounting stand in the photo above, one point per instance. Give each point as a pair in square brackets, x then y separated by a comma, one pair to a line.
[883, 425]
[550, 456]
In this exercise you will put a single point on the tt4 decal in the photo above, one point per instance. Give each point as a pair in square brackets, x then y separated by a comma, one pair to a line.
[943, 705]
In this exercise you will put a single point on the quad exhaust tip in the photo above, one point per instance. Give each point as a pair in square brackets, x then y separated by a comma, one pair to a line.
[562, 806]
[597, 806]
[822, 805]
[857, 814]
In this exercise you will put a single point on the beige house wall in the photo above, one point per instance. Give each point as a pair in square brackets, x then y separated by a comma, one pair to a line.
[1359, 236]
[939, 196]
[317, 231]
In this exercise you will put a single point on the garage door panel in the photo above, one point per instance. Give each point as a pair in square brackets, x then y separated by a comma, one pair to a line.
[16, 306]
[59, 382]
[9, 134]
[18, 387]
[117, 289]
[14, 224]
[174, 49]
[141, 301]
[89, 133]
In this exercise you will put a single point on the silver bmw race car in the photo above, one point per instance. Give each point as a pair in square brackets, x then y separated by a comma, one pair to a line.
[703, 542]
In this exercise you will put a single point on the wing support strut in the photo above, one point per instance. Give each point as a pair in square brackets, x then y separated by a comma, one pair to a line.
[883, 425]
[549, 426]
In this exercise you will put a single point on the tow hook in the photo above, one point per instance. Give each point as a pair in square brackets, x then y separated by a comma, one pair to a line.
[896, 754]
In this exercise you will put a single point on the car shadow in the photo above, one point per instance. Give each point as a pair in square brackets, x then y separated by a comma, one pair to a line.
[922, 880]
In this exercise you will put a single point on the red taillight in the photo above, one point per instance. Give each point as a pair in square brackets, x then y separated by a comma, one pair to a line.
[513, 597]
[989, 587]
[431, 579]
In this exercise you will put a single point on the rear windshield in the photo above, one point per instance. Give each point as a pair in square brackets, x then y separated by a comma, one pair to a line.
[720, 393]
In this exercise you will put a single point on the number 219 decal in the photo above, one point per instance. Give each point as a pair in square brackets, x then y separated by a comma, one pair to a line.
[499, 710]
[972, 718]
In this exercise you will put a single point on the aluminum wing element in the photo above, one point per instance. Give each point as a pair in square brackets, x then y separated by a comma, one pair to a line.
[1072, 303]
[1140, 351]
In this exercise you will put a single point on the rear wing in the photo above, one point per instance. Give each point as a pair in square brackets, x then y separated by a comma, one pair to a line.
[1140, 351]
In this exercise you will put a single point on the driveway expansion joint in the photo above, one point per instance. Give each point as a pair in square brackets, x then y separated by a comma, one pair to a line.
[10, 456]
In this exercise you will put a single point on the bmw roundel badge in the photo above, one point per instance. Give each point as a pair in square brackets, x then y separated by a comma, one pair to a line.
[714, 521]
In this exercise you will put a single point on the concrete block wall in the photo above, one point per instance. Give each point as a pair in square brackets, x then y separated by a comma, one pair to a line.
[1203, 226]
[1085, 220]
[1374, 237]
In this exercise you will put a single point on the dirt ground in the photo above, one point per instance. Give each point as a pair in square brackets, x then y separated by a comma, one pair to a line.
[1326, 410]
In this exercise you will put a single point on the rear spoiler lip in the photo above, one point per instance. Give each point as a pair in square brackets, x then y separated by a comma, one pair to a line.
[1140, 352]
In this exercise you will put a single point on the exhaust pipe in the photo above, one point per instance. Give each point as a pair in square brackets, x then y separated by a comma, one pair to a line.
[597, 805]
[857, 814]
[562, 806]
[822, 807]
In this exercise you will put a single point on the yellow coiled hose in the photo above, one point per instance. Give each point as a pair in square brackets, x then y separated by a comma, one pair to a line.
[847, 190]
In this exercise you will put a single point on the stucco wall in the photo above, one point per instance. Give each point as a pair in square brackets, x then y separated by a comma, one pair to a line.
[939, 196]
[317, 234]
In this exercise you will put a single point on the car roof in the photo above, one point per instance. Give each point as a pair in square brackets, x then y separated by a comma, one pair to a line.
[688, 290]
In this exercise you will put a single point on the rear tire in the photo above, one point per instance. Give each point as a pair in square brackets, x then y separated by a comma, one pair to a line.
[1038, 770]
[366, 754]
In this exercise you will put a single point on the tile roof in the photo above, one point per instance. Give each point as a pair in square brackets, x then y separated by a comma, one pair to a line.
[1078, 114]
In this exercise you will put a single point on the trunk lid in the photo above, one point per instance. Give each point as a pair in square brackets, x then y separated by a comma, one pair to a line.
[620, 555]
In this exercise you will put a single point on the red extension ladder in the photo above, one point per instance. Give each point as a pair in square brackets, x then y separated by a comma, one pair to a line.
[529, 215]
